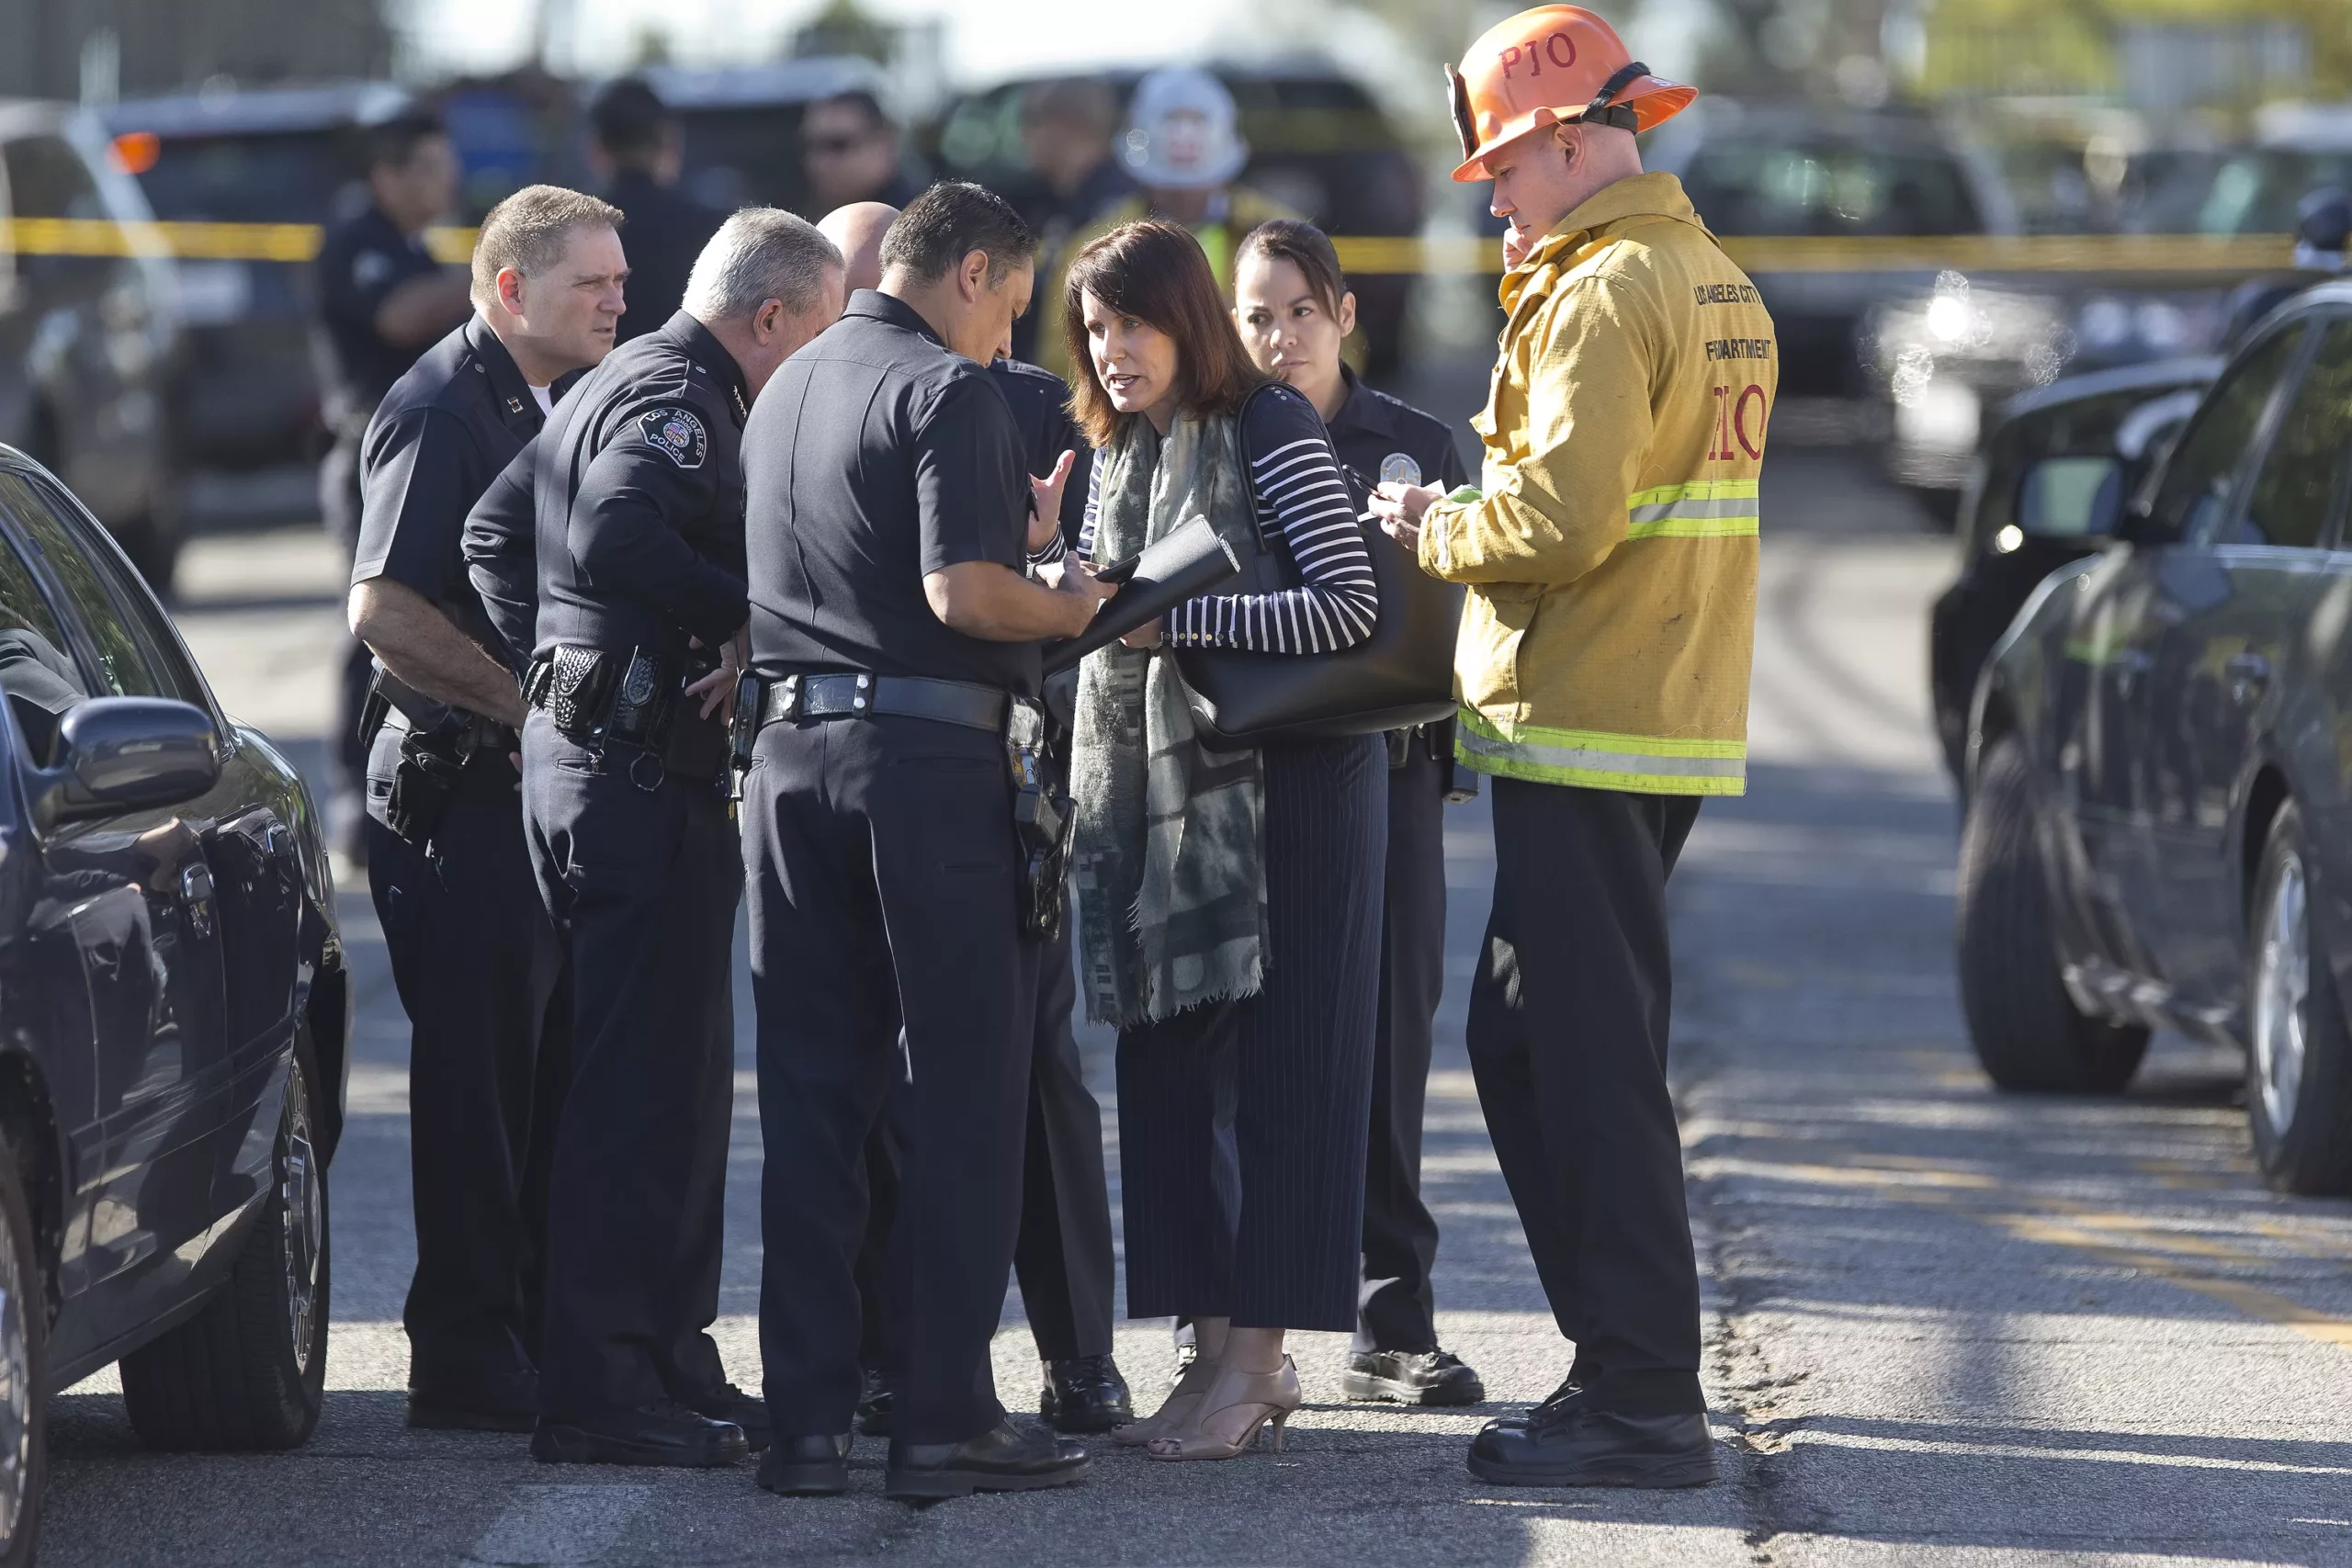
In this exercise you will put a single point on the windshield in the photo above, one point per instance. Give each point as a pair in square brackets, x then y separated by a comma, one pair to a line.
[2250, 192]
[244, 179]
[1750, 188]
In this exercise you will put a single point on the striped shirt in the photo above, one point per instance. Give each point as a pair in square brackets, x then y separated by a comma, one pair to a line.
[1295, 483]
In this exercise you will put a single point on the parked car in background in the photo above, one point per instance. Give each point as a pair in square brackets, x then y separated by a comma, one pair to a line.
[2159, 820]
[173, 1034]
[2048, 487]
[90, 335]
[743, 124]
[1319, 144]
[1785, 173]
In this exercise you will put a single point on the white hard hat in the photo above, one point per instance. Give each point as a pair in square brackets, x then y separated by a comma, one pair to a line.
[1180, 131]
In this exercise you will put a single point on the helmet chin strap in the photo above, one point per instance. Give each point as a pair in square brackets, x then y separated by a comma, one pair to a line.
[1601, 111]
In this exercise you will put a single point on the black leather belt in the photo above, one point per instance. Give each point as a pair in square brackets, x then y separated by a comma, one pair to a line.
[872, 696]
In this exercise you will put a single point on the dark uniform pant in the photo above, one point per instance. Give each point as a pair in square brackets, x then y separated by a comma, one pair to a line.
[880, 858]
[479, 972]
[643, 885]
[1395, 1309]
[1063, 1257]
[1568, 1036]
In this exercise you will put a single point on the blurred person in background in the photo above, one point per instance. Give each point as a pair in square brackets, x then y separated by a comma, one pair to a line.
[848, 150]
[1066, 131]
[1183, 148]
[1237, 955]
[2322, 229]
[473, 955]
[382, 299]
[635, 148]
[1293, 309]
[1064, 1258]
[1603, 669]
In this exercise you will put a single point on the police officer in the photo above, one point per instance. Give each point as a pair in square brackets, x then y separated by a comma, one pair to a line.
[635, 148]
[1293, 307]
[893, 640]
[473, 955]
[1064, 1258]
[637, 483]
[382, 299]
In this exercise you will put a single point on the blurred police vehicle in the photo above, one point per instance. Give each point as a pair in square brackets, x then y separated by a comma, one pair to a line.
[741, 124]
[241, 180]
[89, 328]
[1813, 189]
[1319, 146]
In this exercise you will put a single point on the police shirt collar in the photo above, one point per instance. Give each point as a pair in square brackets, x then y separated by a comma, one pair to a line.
[707, 351]
[508, 387]
[881, 307]
[1361, 408]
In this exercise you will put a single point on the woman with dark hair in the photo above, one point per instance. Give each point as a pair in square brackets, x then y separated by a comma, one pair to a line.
[1229, 899]
[1292, 304]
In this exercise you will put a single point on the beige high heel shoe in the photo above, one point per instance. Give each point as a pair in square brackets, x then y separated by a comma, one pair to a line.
[1173, 1411]
[1250, 1399]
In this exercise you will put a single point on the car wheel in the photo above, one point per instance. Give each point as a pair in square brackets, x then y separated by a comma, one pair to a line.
[2299, 1057]
[24, 1339]
[2026, 1027]
[249, 1372]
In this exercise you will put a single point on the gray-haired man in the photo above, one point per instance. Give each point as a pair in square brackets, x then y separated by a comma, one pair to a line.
[637, 486]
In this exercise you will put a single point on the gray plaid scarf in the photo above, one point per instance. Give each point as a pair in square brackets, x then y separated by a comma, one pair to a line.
[1169, 861]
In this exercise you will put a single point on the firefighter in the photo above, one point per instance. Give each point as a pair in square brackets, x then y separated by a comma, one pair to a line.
[1603, 665]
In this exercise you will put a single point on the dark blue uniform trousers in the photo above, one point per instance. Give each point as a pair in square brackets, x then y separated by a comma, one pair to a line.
[480, 974]
[1242, 1124]
[880, 856]
[1568, 1034]
[643, 885]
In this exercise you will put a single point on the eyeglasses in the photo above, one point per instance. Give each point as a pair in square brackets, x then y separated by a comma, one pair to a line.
[835, 146]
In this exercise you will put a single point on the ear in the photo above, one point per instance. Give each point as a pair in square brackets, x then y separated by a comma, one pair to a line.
[1347, 312]
[767, 322]
[972, 278]
[510, 289]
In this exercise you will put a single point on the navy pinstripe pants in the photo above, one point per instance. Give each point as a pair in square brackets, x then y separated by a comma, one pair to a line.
[1242, 1124]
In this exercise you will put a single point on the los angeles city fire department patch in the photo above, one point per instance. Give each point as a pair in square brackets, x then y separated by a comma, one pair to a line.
[677, 435]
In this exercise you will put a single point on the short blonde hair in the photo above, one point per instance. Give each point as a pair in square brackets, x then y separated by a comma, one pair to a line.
[530, 230]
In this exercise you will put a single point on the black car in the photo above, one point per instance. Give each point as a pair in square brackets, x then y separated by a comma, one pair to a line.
[2159, 821]
[2098, 434]
[90, 337]
[1319, 144]
[173, 1019]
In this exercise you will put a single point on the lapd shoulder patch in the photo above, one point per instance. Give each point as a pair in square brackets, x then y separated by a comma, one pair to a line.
[677, 435]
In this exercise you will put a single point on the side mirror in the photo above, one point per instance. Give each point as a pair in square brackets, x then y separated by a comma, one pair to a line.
[116, 754]
[2070, 499]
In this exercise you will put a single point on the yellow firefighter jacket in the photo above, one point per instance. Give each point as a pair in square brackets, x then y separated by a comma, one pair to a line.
[1611, 557]
[1220, 234]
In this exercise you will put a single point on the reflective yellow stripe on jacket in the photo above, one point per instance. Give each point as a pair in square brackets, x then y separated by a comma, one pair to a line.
[1703, 509]
[1591, 759]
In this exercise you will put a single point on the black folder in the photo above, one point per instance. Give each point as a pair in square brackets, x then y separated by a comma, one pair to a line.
[1186, 563]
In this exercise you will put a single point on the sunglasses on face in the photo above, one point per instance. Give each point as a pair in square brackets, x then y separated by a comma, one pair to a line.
[835, 146]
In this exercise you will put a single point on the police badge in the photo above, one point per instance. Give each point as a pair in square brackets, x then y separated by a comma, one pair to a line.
[1397, 469]
[677, 435]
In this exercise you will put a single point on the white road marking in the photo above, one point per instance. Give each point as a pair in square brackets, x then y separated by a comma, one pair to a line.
[552, 1527]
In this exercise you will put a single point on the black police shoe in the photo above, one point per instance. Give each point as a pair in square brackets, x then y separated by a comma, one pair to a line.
[806, 1467]
[1085, 1394]
[1568, 1395]
[1577, 1445]
[504, 1401]
[662, 1433]
[1005, 1458]
[727, 1403]
[1411, 1376]
[874, 1403]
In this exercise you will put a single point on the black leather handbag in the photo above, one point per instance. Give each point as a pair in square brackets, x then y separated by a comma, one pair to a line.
[1402, 674]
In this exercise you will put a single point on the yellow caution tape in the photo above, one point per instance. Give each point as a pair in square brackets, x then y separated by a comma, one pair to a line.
[2145, 255]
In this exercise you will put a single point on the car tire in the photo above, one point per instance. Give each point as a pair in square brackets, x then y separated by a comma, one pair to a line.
[2027, 1032]
[249, 1371]
[2299, 1052]
[23, 1344]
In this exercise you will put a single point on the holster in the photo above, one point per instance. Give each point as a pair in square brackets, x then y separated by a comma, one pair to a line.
[598, 698]
[433, 763]
[1042, 818]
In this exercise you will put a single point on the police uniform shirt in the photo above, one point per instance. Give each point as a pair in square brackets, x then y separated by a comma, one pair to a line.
[878, 457]
[1040, 403]
[1385, 440]
[638, 490]
[664, 232]
[443, 433]
[360, 263]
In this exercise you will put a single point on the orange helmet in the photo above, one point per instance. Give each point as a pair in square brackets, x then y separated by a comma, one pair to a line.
[1552, 65]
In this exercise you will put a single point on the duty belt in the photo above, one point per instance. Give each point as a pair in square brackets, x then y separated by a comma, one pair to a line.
[860, 695]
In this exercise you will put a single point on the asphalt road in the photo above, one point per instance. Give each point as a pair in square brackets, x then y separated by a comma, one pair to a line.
[1943, 1326]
